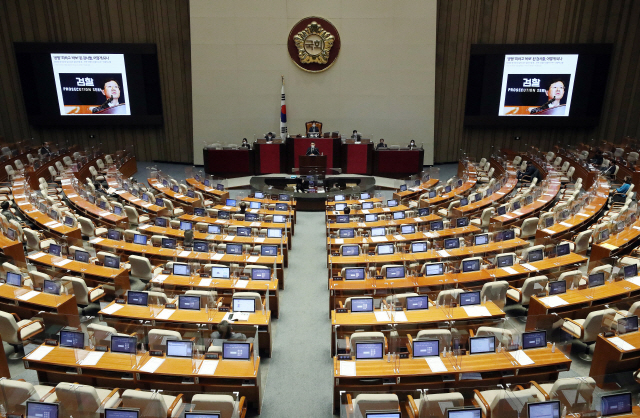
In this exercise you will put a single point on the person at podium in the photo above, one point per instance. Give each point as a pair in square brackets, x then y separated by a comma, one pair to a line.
[269, 137]
[314, 131]
[356, 135]
[381, 145]
[245, 144]
[313, 150]
[412, 144]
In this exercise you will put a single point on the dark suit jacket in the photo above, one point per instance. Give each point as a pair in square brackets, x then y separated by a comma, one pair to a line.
[314, 129]
[313, 151]
[247, 146]
[381, 145]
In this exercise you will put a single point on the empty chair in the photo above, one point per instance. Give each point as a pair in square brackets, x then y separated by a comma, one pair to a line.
[549, 156]
[484, 179]
[524, 255]
[67, 161]
[531, 286]
[95, 175]
[85, 297]
[374, 402]
[88, 229]
[19, 165]
[557, 161]
[158, 338]
[436, 404]
[632, 158]
[528, 228]
[207, 297]
[517, 160]
[576, 394]
[587, 330]
[108, 159]
[495, 292]
[151, 404]
[362, 336]
[400, 299]
[84, 400]
[446, 297]
[443, 335]
[485, 218]
[59, 167]
[168, 204]
[100, 164]
[33, 240]
[10, 171]
[225, 404]
[573, 278]
[134, 217]
[449, 211]
[16, 332]
[568, 176]
[141, 272]
[503, 336]
[500, 403]
[102, 333]
[14, 395]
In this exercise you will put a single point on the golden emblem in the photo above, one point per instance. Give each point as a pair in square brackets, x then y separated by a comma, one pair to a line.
[314, 44]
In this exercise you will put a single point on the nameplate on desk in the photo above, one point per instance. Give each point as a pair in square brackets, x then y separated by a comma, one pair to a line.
[379, 239]
[211, 356]
[378, 277]
[548, 231]
[529, 267]
[509, 270]
[152, 365]
[337, 278]
[609, 246]
[120, 301]
[344, 356]
[443, 253]
[170, 306]
[158, 353]
[224, 309]
[566, 224]
[49, 341]
[417, 219]
[553, 301]
[101, 348]
[342, 310]
[621, 344]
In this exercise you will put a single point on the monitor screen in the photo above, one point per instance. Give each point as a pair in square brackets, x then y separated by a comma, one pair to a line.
[505, 260]
[515, 206]
[234, 249]
[408, 229]
[604, 235]
[68, 220]
[557, 287]
[437, 225]
[116, 209]
[114, 235]
[362, 305]
[258, 195]
[339, 198]
[207, 183]
[392, 203]
[121, 413]
[563, 249]
[403, 187]
[354, 273]
[346, 233]
[82, 256]
[236, 351]
[274, 233]
[220, 187]
[398, 215]
[55, 249]
[470, 298]
[260, 274]
[185, 226]
[180, 269]
[250, 217]
[161, 222]
[395, 272]
[508, 234]
[283, 197]
[481, 345]
[464, 413]
[628, 324]
[432, 194]
[548, 222]
[617, 404]
[279, 219]
[434, 269]
[548, 409]
[14, 279]
[340, 206]
[51, 287]
[369, 350]
[41, 410]
[464, 201]
[137, 298]
[535, 255]
[342, 219]
[271, 250]
[199, 211]
[223, 214]
[120, 344]
[112, 262]
[417, 302]
[200, 246]
[230, 202]
[481, 239]
[213, 229]
[470, 265]
[169, 243]
[189, 302]
[447, 189]
[140, 239]
[450, 243]
[534, 339]
[423, 211]
[53, 214]
[71, 339]
[371, 217]
[364, 196]
[255, 205]
[426, 348]
[418, 247]
[243, 231]
[244, 305]
[220, 272]
[383, 414]
[462, 222]
[502, 210]
[191, 193]
[596, 279]
[630, 271]
[378, 231]
[367, 205]
[384, 249]
[350, 250]
[179, 348]
[175, 188]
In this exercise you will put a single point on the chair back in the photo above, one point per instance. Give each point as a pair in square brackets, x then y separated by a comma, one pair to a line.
[86, 226]
[14, 395]
[443, 335]
[140, 267]
[437, 404]
[362, 336]
[9, 328]
[77, 399]
[532, 286]
[212, 402]
[249, 295]
[593, 324]
[158, 338]
[495, 292]
[150, 404]
[375, 402]
[80, 289]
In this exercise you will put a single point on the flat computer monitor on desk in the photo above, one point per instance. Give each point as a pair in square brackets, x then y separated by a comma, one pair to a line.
[369, 350]
[548, 409]
[464, 413]
[614, 405]
[236, 350]
[122, 413]
[383, 414]
[42, 410]
[202, 414]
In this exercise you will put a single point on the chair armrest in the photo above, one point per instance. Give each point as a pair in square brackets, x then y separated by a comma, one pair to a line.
[98, 297]
[347, 339]
[34, 333]
[109, 396]
[46, 395]
[539, 388]
[576, 324]
[173, 405]
[412, 409]
[15, 316]
[484, 402]
[241, 407]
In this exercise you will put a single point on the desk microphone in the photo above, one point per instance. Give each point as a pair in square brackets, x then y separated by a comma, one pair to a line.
[543, 107]
[103, 106]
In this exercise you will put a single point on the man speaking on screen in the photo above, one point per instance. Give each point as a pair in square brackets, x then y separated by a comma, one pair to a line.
[111, 91]
[555, 93]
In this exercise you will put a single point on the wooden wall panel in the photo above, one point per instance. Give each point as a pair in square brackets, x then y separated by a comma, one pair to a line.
[164, 23]
[465, 22]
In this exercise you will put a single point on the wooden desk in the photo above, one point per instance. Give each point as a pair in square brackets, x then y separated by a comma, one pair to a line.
[129, 199]
[181, 200]
[289, 214]
[407, 221]
[207, 191]
[266, 201]
[412, 374]
[127, 318]
[310, 164]
[4, 365]
[489, 200]
[83, 207]
[415, 192]
[61, 310]
[330, 213]
[608, 358]
[580, 302]
[345, 324]
[618, 243]
[543, 202]
[125, 371]
[225, 288]
[12, 249]
[232, 222]
[91, 273]
[331, 203]
[444, 198]
[587, 215]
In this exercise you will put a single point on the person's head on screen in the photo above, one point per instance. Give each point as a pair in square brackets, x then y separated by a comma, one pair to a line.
[555, 90]
[110, 88]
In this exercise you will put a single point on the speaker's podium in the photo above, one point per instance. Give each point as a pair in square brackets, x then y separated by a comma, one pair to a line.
[312, 164]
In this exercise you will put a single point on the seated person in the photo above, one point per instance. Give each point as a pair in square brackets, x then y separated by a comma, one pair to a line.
[355, 135]
[7, 213]
[314, 131]
[608, 171]
[412, 144]
[243, 207]
[347, 210]
[381, 144]
[313, 150]
[225, 332]
[269, 137]
[245, 144]
[598, 158]
[302, 184]
[619, 195]
[529, 174]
